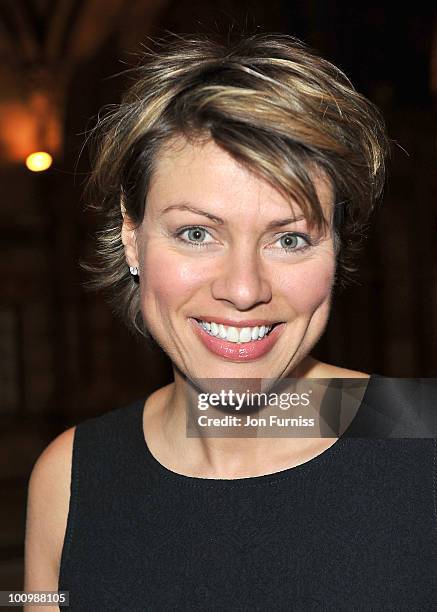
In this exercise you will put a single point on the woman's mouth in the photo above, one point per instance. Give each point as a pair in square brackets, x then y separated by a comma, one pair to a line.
[237, 343]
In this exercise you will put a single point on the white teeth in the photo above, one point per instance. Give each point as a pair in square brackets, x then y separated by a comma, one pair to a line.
[232, 334]
[222, 331]
[245, 334]
[236, 334]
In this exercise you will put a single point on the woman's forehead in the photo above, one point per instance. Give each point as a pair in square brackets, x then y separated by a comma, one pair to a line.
[203, 172]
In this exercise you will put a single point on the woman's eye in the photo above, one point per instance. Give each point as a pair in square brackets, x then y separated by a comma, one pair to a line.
[292, 242]
[194, 236]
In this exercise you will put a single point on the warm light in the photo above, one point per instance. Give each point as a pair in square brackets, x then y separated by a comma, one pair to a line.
[37, 162]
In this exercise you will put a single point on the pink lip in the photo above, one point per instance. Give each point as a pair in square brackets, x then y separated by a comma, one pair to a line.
[245, 351]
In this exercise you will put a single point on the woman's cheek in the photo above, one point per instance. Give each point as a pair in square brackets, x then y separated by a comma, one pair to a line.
[167, 274]
[308, 284]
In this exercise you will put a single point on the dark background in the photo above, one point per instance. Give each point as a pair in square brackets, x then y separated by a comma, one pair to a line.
[64, 356]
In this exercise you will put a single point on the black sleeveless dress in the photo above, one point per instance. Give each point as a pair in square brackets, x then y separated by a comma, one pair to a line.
[354, 528]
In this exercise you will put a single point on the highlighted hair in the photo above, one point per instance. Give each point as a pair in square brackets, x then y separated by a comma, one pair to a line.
[269, 101]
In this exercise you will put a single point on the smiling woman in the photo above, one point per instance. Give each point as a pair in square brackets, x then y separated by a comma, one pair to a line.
[280, 113]
[226, 262]
[234, 179]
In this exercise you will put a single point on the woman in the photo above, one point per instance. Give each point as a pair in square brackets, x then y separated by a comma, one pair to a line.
[236, 179]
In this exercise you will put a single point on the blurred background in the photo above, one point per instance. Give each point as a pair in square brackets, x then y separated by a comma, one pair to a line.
[64, 356]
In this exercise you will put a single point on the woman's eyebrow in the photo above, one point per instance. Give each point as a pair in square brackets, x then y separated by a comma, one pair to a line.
[219, 221]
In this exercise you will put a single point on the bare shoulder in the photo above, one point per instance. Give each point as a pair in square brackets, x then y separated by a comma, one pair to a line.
[319, 369]
[346, 373]
[48, 499]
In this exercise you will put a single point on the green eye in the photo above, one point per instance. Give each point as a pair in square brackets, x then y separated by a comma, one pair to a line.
[193, 236]
[193, 233]
[290, 242]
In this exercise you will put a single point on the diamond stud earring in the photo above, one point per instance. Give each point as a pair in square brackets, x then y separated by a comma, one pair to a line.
[133, 270]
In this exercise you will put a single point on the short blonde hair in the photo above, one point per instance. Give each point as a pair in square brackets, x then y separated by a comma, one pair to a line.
[269, 101]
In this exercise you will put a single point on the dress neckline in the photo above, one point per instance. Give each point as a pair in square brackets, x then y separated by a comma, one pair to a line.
[322, 459]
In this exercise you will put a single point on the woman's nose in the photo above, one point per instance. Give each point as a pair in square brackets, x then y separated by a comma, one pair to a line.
[242, 280]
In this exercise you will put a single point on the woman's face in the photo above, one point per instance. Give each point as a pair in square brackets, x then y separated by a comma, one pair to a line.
[242, 260]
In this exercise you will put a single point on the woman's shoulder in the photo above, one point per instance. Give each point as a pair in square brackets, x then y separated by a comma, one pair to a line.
[320, 369]
[52, 469]
[48, 500]
[339, 372]
[49, 489]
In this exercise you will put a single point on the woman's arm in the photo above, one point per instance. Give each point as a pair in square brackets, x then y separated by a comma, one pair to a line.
[48, 500]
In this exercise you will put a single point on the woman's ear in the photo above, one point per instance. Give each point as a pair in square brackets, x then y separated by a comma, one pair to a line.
[128, 237]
